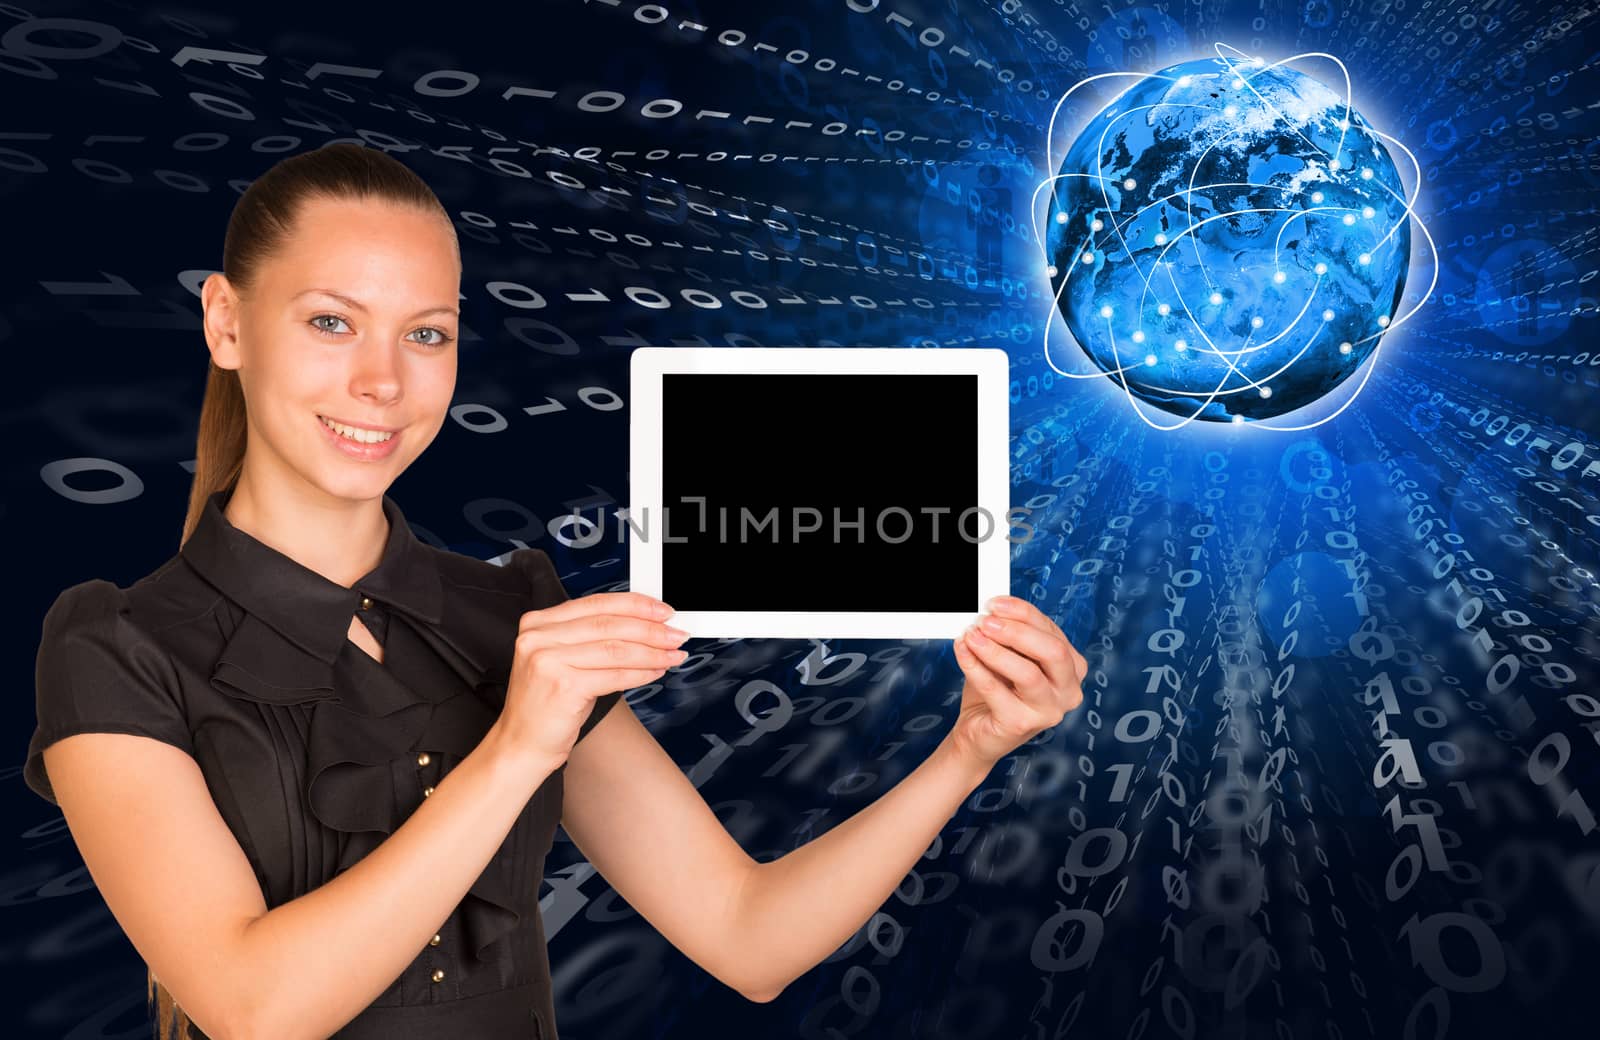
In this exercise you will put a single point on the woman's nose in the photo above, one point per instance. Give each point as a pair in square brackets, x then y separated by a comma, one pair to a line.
[376, 372]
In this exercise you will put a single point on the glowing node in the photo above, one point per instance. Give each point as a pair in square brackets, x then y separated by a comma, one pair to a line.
[1088, 258]
[1180, 346]
[1216, 297]
[1163, 309]
[1230, 111]
[1368, 212]
[1184, 81]
[1280, 277]
[1316, 196]
[1256, 322]
[1349, 218]
[1149, 359]
[1138, 337]
[1345, 348]
[1061, 218]
[1321, 269]
[1097, 224]
[1238, 83]
[1237, 419]
[1366, 175]
[1327, 315]
[1161, 239]
[1334, 164]
[1344, 124]
[1266, 391]
[1383, 320]
[1130, 184]
[1364, 259]
[1105, 312]
[1050, 271]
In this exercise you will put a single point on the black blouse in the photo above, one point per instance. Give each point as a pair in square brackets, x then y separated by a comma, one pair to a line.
[312, 749]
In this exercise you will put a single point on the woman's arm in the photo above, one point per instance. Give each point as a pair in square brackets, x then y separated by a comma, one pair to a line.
[639, 820]
[177, 881]
[1022, 677]
[756, 926]
[796, 910]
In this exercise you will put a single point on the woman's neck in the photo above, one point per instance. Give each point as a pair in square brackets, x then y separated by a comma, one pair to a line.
[340, 539]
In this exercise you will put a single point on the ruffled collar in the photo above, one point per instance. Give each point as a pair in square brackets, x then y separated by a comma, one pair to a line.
[304, 607]
[452, 645]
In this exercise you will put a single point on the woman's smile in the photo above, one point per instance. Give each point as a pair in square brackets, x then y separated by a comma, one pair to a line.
[358, 441]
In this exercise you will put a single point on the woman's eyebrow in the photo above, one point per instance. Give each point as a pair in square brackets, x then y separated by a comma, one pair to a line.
[355, 304]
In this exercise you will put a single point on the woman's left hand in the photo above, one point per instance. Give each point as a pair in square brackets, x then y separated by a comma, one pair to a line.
[1022, 677]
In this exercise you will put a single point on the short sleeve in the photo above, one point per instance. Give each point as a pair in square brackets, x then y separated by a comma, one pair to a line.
[546, 590]
[98, 672]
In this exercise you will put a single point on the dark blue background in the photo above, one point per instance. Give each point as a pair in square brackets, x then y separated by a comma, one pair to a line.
[1336, 771]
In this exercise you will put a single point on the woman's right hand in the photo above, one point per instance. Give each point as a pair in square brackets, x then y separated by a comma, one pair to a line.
[569, 654]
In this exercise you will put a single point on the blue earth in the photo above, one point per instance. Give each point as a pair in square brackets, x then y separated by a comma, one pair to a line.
[1228, 239]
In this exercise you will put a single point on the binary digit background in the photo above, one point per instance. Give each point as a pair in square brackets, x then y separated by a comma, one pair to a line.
[1336, 770]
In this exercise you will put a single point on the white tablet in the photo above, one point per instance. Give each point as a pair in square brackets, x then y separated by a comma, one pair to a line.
[820, 492]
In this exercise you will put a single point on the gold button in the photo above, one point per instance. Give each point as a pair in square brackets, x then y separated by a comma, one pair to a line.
[366, 602]
[426, 791]
[438, 974]
[423, 759]
[434, 941]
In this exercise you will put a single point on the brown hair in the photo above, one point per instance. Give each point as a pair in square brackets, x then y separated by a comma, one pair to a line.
[262, 218]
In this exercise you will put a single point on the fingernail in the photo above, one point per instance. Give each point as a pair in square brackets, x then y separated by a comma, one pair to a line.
[663, 611]
[681, 655]
[977, 638]
[994, 601]
[678, 633]
[992, 624]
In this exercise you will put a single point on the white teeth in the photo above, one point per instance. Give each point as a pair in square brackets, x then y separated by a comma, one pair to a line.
[364, 436]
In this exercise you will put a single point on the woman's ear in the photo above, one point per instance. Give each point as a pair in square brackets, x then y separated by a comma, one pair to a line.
[221, 304]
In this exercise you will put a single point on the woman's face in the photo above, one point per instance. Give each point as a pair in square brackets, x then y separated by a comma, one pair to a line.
[353, 320]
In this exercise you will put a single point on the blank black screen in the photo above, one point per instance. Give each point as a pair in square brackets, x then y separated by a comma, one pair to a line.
[749, 444]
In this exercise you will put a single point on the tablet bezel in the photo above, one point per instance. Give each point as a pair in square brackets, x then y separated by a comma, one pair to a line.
[647, 367]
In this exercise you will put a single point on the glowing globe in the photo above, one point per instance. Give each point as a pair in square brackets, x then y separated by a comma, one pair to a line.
[1228, 239]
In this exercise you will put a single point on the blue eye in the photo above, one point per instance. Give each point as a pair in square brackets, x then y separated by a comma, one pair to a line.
[441, 338]
[323, 329]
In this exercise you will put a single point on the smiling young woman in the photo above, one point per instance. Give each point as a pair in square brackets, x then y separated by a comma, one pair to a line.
[325, 703]
[314, 765]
